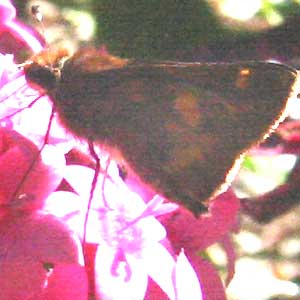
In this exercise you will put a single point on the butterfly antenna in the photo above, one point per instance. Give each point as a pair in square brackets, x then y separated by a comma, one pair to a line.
[38, 16]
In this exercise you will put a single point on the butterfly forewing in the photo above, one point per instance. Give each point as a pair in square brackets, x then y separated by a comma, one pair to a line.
[179, 126]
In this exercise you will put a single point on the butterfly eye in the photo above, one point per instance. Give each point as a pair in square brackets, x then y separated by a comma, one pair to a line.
[40, 76]
[242, 80]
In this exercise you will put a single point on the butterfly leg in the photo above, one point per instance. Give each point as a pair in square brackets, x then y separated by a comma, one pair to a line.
[93, 186]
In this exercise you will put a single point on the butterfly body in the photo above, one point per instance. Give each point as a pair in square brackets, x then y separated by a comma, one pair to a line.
[179, 126]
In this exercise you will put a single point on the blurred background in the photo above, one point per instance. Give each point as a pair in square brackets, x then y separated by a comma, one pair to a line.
[169, 28]
[268, 244]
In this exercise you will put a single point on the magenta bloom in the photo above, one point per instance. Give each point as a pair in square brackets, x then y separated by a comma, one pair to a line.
[30, 240]
[130, 239]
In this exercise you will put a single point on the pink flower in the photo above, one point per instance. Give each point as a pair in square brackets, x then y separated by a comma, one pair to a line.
[31, 242]
[130, 239]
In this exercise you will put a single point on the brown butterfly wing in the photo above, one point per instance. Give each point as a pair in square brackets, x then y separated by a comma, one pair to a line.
[179, 126]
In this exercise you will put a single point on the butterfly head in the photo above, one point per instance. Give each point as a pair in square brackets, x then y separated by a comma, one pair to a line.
[43, 69]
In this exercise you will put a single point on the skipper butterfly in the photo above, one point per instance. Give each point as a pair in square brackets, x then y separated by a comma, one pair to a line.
[180, 126]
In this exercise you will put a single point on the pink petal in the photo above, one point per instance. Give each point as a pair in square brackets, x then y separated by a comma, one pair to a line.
[211, 284]
[29, 244]
[156, 207]
[231, 257]
[186, 231]
[63, 205]
[26, 180]
[8, 70]
[80, 179]
[71, 208]
[22, 33]
[154, 291]
[186, 282]
[159, 264]
[17, 154]
[109, 286]
[67, 282]
[42, 237]
[151, 229]
[21, 279]
[136, 185]
[15, 36]
[7, 11]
